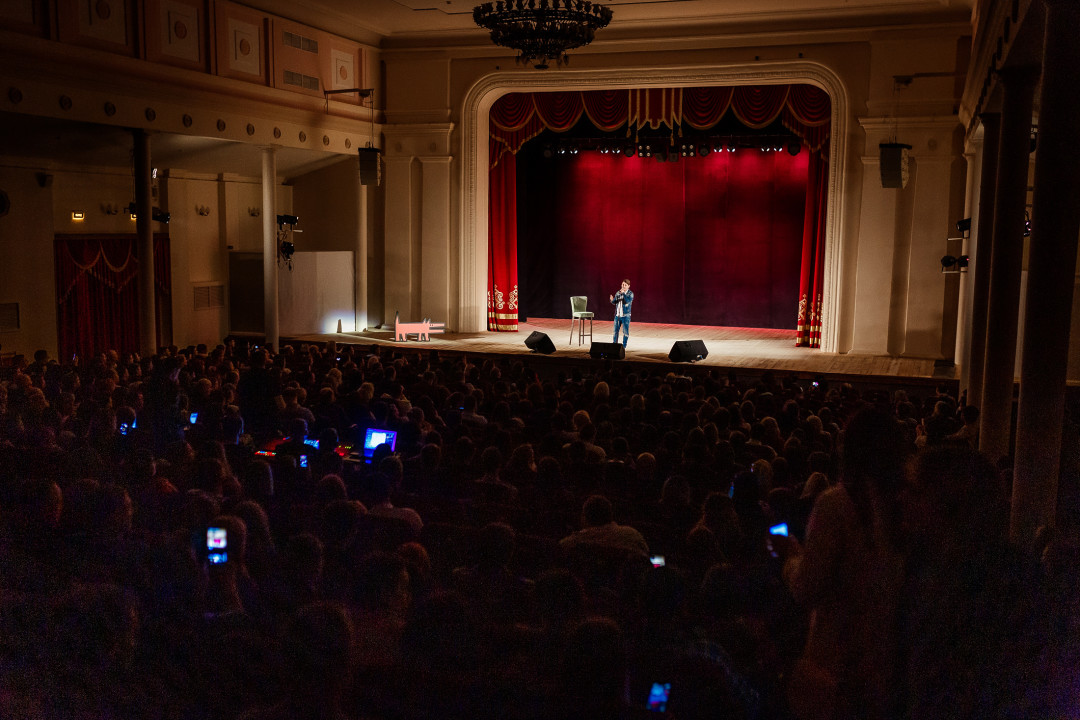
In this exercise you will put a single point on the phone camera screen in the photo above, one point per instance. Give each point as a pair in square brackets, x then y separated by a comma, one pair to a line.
[658, 697]
[780, 529]
[217, 545]
[657, 561]
[303, 461]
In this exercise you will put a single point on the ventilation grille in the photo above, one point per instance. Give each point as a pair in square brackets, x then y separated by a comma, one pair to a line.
[300, 42]
[9, 317]
[208, 297]
[301, 80]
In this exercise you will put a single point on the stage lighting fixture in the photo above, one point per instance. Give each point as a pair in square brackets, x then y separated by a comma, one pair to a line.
[704, 150]
[794, 147]
[287, 220]
[629, 151]
[947, 262]
[962, 262]
[1027, 224]
[963, 226]
[161, 217]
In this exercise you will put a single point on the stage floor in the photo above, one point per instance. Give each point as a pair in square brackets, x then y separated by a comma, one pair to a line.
[739, 348]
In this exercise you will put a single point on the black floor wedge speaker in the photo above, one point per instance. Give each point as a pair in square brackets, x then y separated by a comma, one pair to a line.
[540, 342]
[607, 351]
[688, 351]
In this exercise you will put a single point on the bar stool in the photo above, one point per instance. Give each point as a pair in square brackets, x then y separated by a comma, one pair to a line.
[578, 303]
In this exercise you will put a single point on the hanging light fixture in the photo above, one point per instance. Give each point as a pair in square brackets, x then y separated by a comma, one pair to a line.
[542, 30]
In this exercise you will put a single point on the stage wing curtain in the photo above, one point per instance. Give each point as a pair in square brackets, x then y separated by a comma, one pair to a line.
[502, 295]
[97, 293]
[812, 268]
[516, 118]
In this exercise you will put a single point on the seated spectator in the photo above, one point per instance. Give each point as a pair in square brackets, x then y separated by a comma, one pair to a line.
[379, 598]
[317, 646]
[599, 527]
[499, 594]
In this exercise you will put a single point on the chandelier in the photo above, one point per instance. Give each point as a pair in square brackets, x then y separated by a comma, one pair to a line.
[542, 30]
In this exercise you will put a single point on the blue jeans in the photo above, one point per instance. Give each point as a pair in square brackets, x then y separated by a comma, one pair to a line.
[624, 321]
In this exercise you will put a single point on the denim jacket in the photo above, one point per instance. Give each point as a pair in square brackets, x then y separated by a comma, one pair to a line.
[627, 300]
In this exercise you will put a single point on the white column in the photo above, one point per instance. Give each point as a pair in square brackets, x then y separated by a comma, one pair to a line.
[270, 248]
[401, 254]
[964, 310]
[145, 229]
[435, 239]
[360, 263]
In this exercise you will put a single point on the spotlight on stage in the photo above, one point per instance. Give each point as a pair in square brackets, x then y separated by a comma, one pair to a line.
[704, 150]
[963, 226]
[629, 151]
[793, 147]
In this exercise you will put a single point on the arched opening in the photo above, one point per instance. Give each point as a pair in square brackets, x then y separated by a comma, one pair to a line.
[473, 238]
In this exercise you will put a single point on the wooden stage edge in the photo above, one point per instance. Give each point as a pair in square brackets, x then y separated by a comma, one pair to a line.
[741, 349]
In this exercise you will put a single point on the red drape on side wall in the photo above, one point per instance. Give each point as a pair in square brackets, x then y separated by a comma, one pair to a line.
[97, 293]
[516, 118]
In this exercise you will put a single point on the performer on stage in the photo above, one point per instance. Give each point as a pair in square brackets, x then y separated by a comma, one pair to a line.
[622, 301]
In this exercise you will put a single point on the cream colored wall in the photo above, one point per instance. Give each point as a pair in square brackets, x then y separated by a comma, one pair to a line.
[198, 243]
[325, 202]
[27, 274]
[197, 254]
[879, 247]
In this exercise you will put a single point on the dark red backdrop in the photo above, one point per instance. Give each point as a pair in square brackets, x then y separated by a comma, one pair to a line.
[714, 240]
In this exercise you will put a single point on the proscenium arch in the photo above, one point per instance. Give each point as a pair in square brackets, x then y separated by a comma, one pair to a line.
[473, 240]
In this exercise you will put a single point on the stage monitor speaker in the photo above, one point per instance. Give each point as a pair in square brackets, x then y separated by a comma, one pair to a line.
[370, 164]
[607, 351]
[540, 342]
[688, 351]
[893, 158]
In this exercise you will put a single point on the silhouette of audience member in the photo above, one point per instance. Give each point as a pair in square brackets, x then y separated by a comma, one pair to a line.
[599, 528]
[976, 639]
[848, 576]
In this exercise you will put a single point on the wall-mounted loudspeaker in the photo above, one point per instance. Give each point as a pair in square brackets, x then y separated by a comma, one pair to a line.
[370, 165]
[688, 351]
[893, 158]
[607, 351]
[540, 342]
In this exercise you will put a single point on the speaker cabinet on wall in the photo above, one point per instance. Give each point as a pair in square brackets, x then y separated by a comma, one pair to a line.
[370, 165]
[893, 158]
[540, 342]
[688, 351]
[607, 351]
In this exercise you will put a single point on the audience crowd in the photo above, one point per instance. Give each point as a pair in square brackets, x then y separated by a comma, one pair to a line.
[593, 540]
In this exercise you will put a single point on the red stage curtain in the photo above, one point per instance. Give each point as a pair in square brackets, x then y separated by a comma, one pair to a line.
[516, 118]
[708, 241]
[756, 106]
[559, 111]
[502, 295]
[803, 109]
[812, 269]
[704, 106]
[607, 109]
[97, 293]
